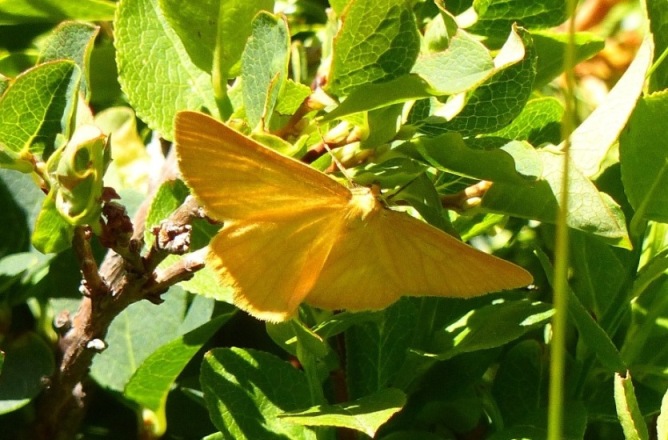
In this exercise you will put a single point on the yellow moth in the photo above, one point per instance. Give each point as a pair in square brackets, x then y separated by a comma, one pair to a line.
[292, 234]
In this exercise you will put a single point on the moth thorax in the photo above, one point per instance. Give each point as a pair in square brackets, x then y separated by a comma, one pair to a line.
[363, 203]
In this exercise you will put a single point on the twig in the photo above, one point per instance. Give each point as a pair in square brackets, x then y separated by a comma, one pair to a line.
[467, 198]
[172, 236]
[92, 283]
[121, 280]
[183, 270]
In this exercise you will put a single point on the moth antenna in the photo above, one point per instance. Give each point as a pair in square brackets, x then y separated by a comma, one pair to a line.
[336, 161]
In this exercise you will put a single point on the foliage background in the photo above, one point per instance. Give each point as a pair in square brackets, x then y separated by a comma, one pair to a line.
[427, 101]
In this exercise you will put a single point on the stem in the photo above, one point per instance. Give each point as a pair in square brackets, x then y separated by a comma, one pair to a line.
[559, 321]
[123, 278]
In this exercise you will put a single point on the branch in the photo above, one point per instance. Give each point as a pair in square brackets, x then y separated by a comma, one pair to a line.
[124, 277]
[92, 284]
[183, 270]
[172, 236]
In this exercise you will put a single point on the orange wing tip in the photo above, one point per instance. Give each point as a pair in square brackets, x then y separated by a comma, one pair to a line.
[521, 278]
[527, 279]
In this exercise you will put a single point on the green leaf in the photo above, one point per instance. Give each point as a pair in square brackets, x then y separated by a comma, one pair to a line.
[460, 409]
[152, 381]
[499, 100]
[292, 97]
[21, 200]
[289, 334]
[598, 270]
[206, 283]
[22, 265]
[195, 24]
[309, 340]
[103, 75]
[591, 333]
[643, 151]
[72, 41]
[383, 126]
[516, 162]
[589, 210]
[534, 425]
[169, 196]
[377, 42]
[465, 64]
[53, 11]
[366, 415]
[256, 386]
[628, 411]
[376, 350]
[27, 360]
[155, 69]
[520, 382]
[340, 322]
[650, 272]
[538, 123]
[440, 30]
[648, 329]
[134, 335]
[234, 27]
[657, 11]
[592, 139]
[34, 109]
[662, 420]
[550, 48]
[264, 67]
[52, 233]
[497, 17]
[390, 173]
[374, 96]
[490, 326]
[131, 165]
[283, 335]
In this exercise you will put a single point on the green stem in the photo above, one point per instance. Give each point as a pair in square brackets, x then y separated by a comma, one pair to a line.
[559, 321]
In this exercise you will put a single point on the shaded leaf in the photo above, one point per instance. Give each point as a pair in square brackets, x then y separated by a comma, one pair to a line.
[590, 331]
[53, 11]
[27, 360]
[643, 151]
[657, 11]
[550, 48]
[589, 210]
[245, 391]
[152, 381]
[376, 350]
[134, 335]
[490, 326]
[366, 414]
[515, 162]
[538, 123]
